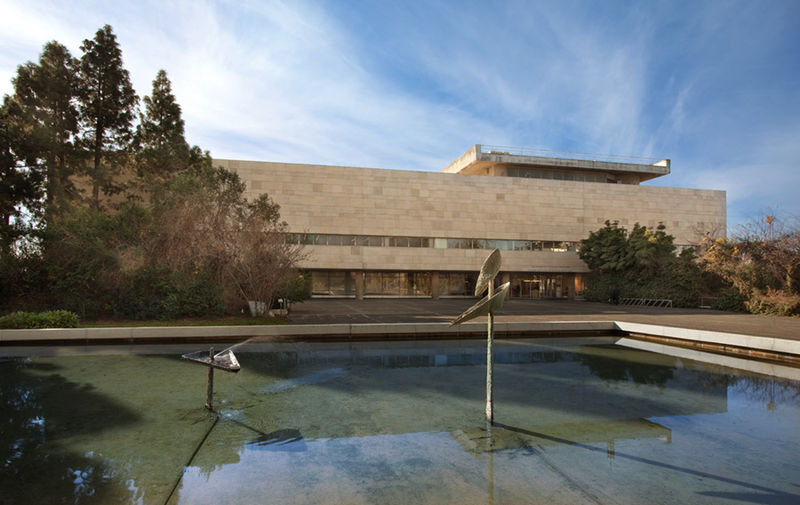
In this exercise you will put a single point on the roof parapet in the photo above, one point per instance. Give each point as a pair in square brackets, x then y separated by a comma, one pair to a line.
[490, 154]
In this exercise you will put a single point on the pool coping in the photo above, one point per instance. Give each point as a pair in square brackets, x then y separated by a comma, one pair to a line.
[373, 331]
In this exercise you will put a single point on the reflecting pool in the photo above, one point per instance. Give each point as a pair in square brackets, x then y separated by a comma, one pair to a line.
[580, 420]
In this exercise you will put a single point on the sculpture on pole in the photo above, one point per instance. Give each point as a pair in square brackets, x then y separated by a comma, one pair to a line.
[224, 360]
[486, 307]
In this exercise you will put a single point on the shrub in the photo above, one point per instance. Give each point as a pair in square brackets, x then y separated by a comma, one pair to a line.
[157, 293]
[774, 302]
[193, 297]
[49, 319]
[730, 301]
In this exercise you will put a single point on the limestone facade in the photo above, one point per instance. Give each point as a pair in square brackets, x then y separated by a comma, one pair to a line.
[352, 201]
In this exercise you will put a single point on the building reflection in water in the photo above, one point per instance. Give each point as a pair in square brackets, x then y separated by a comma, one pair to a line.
[382, 413]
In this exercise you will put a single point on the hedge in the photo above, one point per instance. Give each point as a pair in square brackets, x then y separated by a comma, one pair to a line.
[49, 319]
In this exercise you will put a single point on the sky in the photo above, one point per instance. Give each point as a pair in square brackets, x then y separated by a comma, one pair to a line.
[712, 85]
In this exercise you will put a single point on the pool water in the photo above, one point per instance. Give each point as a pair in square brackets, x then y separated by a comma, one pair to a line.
[577, 421]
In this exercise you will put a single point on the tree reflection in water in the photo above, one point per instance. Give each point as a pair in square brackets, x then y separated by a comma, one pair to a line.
[768, 390]
[614, 369]
[41, 409]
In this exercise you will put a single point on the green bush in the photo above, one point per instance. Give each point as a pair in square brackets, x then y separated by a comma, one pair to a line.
[157, 293]
[195, 297]
[49, 319]
[598, 286]
[730, 301]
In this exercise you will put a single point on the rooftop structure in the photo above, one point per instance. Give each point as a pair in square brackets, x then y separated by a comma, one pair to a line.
[558, 165]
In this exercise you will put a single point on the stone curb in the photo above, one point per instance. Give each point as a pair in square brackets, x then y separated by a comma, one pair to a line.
[293, 331]
[389, 330]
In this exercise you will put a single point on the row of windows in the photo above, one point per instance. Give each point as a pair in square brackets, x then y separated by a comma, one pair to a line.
[342, 283]
[437, 243]
[556, 175]
[377, 283]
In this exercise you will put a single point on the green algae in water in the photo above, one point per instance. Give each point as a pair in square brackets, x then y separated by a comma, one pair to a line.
[397, 423]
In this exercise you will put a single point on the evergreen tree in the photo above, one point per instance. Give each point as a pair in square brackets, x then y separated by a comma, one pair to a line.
[46, 94]
[642, 264]
[649, 250]
[20, 188]
[163, 148]
[107, 109]
[606, 249]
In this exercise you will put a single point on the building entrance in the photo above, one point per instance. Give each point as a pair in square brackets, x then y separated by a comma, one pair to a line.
[538, 286]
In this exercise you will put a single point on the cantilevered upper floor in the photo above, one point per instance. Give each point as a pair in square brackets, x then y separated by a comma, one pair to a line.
[543, 164]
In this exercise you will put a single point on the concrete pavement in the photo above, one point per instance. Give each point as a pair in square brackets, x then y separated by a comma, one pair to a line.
[410, 310]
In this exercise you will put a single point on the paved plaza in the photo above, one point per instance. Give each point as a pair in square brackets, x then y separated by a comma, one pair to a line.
[409, 310]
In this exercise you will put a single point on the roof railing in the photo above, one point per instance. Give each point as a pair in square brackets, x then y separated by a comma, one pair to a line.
[548, 153]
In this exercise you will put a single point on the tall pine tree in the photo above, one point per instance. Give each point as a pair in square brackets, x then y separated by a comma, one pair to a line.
[46, 96]
[163, 147]
[107, 108]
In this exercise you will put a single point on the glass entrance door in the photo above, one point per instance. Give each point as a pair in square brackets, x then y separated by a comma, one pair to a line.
[534, 286]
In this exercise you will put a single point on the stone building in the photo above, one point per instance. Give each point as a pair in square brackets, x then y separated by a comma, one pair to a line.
[375, 232]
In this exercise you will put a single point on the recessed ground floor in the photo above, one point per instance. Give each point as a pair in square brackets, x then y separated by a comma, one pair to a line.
[361, 284]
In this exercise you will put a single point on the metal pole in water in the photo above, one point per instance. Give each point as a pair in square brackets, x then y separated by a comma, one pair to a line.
[490, 466]
[490, 363]
[210, 383]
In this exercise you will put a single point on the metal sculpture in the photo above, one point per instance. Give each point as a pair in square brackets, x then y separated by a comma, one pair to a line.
[486, 307]
[224, 360]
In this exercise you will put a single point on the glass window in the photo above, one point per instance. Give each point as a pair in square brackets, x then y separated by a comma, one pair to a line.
[332, 283]
[319, 283]
[397, 283]
[457, 283]
[372, 283]
[394, 283]
[338, 283]
[369, 241]
[420, 283]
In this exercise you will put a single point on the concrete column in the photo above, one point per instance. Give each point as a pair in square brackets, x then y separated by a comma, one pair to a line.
[358, 280]
[569, 285]
[507, 278]
[435, 285]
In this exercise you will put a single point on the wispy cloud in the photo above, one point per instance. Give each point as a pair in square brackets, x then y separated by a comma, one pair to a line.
[412, 85]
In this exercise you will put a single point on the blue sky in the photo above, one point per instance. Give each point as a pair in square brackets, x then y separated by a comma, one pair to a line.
[411, 85]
